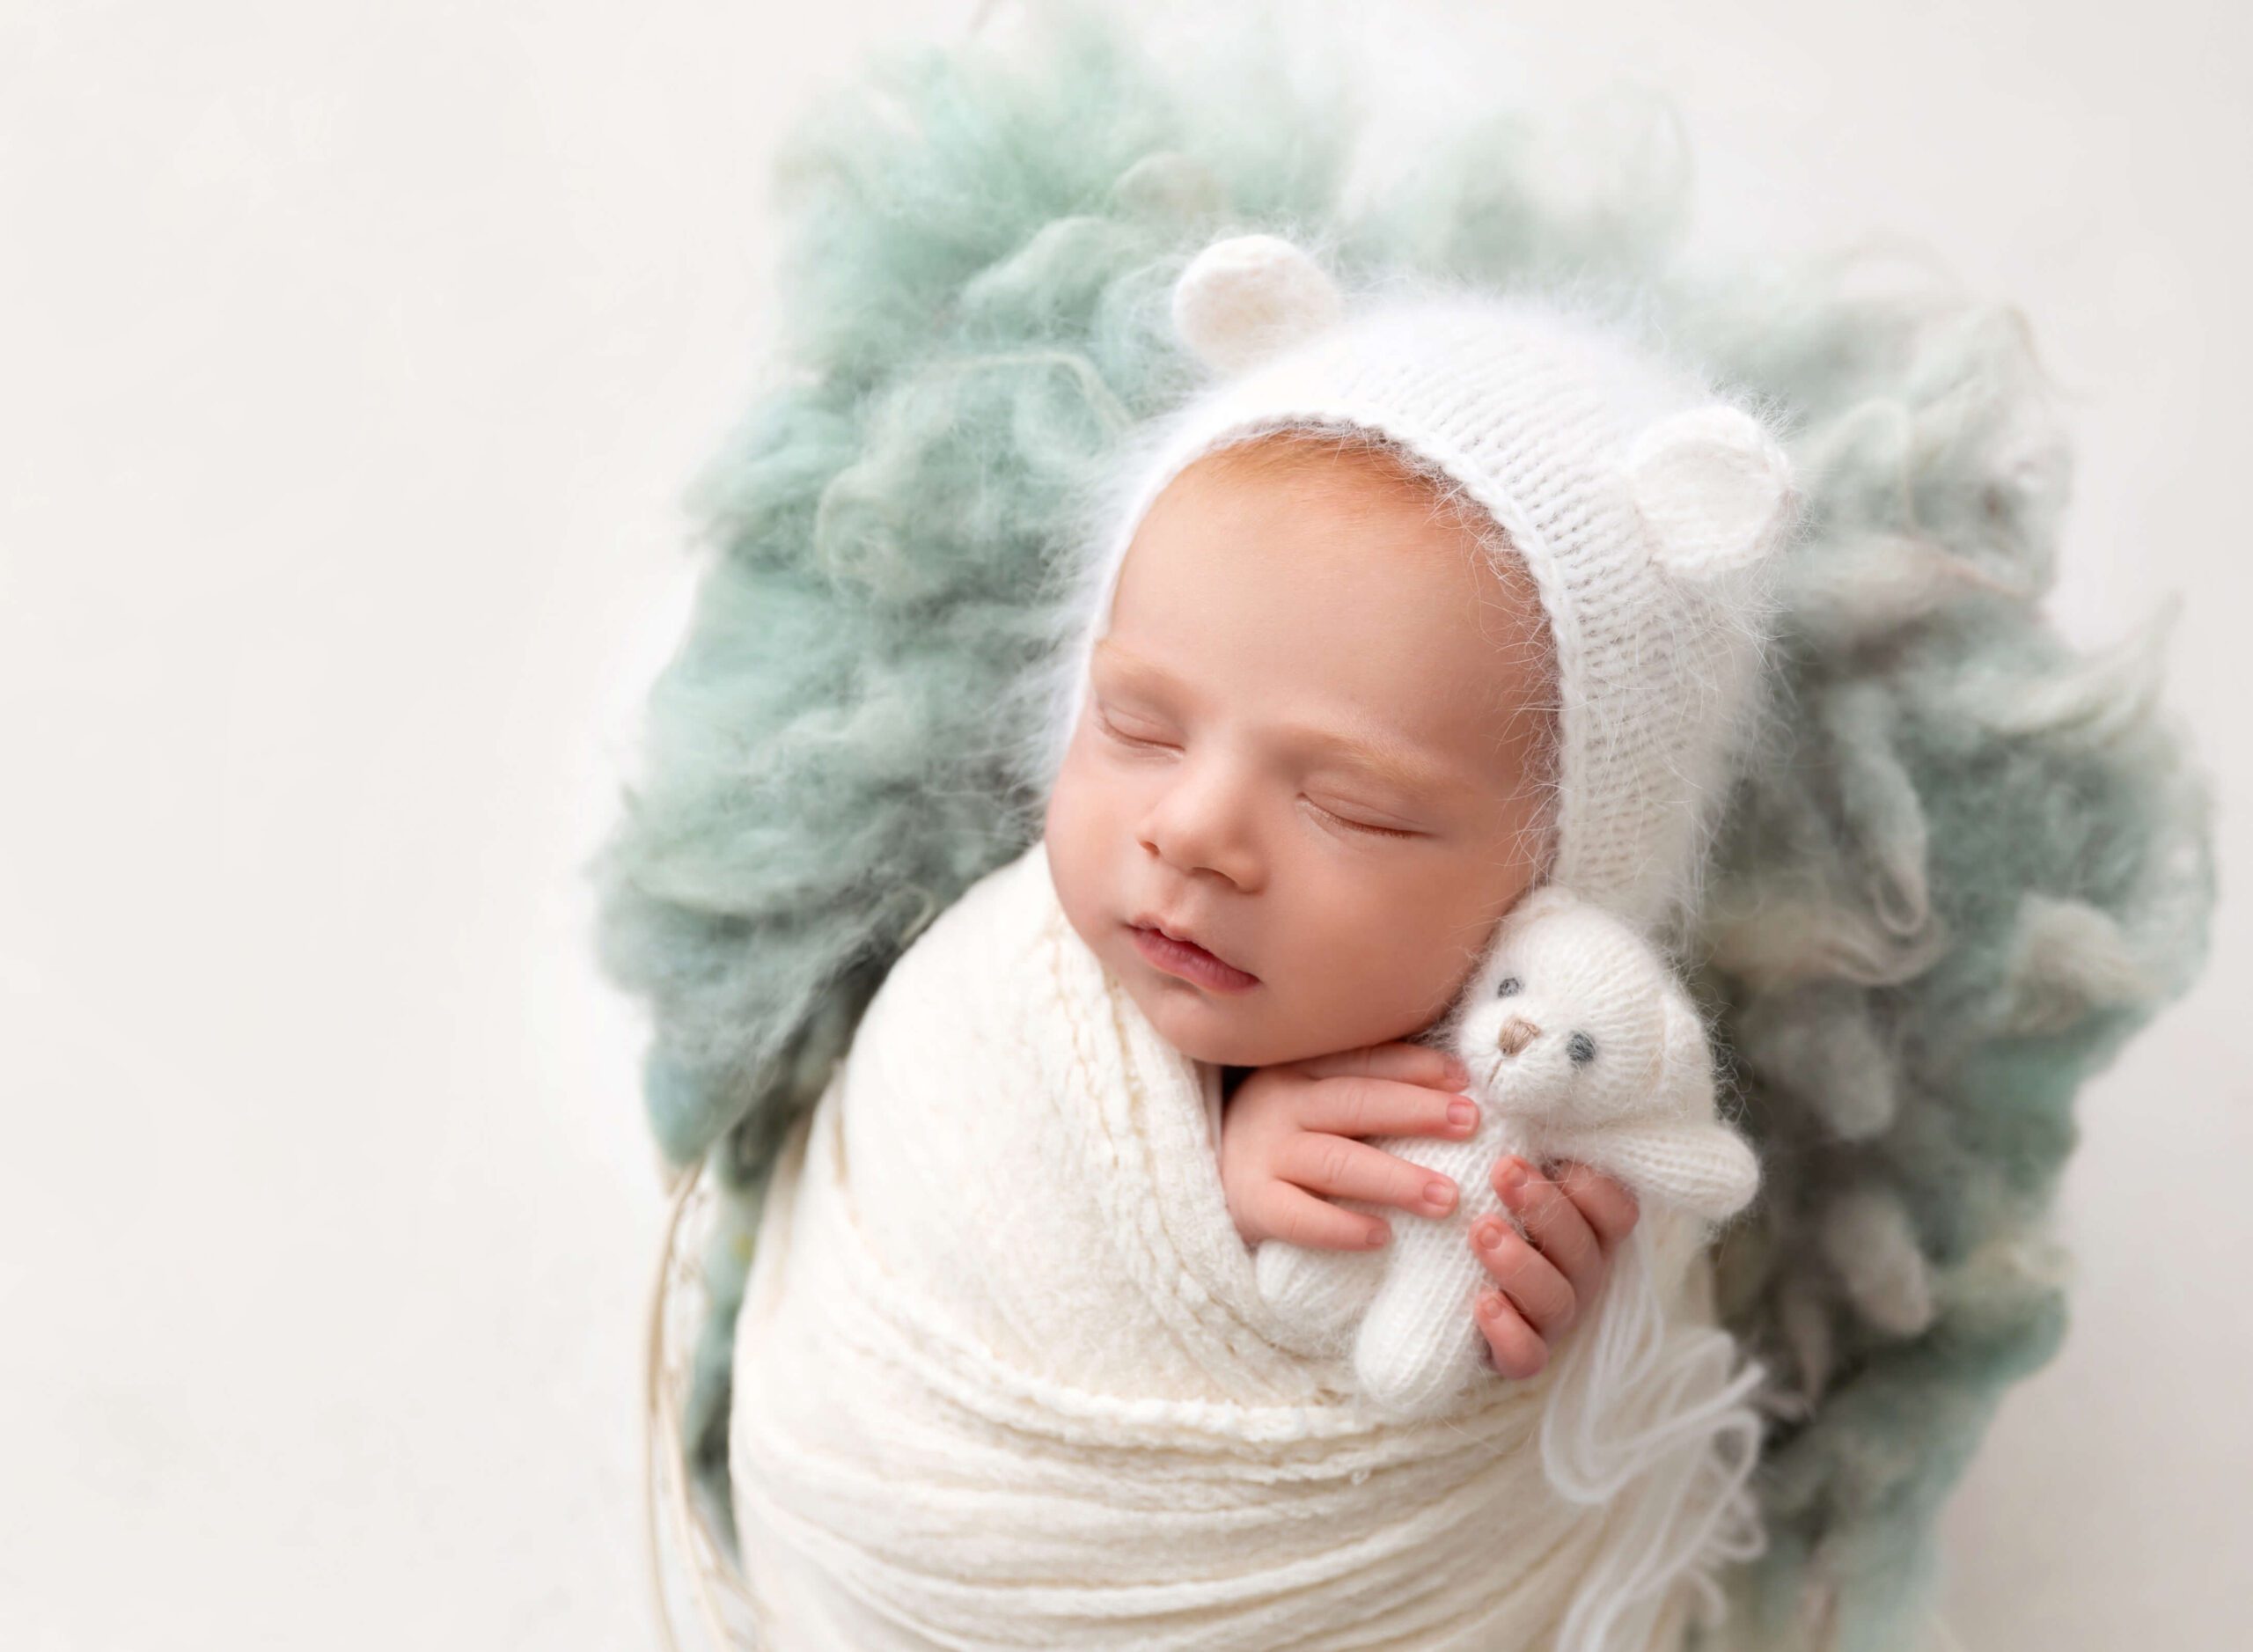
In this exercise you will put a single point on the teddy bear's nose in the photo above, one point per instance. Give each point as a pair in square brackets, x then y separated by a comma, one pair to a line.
[1517, 1033]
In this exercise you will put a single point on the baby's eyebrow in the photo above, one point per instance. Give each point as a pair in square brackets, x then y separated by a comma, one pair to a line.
[1386, 759]
[1381, 756]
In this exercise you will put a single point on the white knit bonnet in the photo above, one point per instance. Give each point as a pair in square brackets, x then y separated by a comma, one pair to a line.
[1647, 506]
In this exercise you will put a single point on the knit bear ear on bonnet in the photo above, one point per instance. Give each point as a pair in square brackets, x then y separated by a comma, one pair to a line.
[1648, 507]
[1712, 489]
[1248, 297]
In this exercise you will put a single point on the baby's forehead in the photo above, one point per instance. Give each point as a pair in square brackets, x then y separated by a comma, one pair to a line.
[1345, 468]
[1332, 575]
[1353, 521]
[1316, 498]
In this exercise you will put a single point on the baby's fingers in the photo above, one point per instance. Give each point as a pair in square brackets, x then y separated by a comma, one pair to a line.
[1343, 1168]
[1400, 1062]
[1511, 1344]
[1609, 1207]
[1381, 1107]
[1281, 1211]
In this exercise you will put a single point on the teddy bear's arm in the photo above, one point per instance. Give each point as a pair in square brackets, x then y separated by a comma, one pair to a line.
[1707, 1169]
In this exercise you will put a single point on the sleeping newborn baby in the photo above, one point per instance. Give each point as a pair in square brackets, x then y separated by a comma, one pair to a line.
[1409, 613]
[1312, 772]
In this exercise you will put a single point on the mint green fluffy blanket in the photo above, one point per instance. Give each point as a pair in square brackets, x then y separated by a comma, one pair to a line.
[1979, 862]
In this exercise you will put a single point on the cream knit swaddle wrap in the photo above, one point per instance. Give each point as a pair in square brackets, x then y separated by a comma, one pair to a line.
[1004, 1377]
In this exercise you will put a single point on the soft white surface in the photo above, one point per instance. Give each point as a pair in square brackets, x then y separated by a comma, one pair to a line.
[355, 355]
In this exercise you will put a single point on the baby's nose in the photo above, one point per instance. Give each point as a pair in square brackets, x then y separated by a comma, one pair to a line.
[1517, 1033]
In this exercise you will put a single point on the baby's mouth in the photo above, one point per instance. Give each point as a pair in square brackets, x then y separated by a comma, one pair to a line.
[1189, 960]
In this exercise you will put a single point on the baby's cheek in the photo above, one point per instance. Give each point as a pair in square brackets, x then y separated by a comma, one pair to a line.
[1351, 1005]
[1073, 833]
[1401, 986]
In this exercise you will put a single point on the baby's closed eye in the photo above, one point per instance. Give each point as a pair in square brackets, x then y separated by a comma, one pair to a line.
[1362, 826]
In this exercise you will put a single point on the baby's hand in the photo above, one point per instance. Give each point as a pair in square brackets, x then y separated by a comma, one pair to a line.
[1287, 1138]
[1546, 1281]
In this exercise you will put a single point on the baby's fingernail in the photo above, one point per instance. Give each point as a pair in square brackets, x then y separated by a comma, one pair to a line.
[1377, 1237]
[1462, 1113]
[1490, 1238]
[1458, 1073]
[1513, 1176]
[1489, 1306]
[1438, 1193]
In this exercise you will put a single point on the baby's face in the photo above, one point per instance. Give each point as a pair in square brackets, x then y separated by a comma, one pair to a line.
[1313, 742]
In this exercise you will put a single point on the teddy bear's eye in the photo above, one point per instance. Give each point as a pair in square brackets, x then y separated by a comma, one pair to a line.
[1581, 1048]
[1509, 984]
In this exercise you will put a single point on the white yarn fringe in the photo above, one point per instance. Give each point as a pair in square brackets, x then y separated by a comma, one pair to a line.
[1696, 1513]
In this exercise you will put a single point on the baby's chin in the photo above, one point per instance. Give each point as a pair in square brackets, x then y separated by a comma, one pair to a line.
[1227, 1031]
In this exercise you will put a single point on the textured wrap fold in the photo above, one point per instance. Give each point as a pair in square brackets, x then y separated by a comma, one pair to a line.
[1004, 1376]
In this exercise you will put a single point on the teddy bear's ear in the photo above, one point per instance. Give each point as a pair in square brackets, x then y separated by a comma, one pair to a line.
[1689, 1052]
[1249, 296]
[1713, 489]
[1546, 901]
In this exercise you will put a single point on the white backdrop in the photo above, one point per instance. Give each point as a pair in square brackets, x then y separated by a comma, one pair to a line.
[352, 358]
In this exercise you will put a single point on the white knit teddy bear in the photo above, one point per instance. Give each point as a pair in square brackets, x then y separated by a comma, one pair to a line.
[1582, 1045]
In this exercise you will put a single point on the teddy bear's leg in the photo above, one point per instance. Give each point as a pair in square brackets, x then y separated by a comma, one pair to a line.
[1419, 1346]
[1320, 1293]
